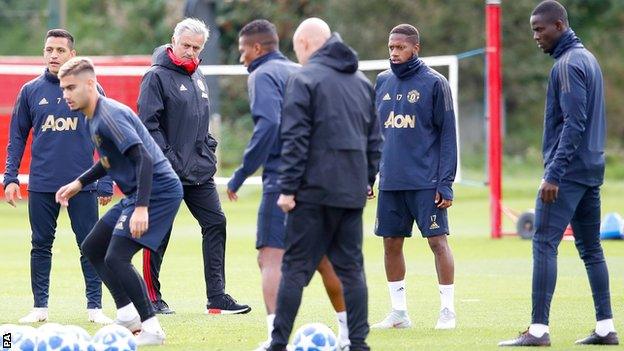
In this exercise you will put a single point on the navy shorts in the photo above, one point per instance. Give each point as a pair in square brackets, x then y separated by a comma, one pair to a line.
[397, 211]
[271, 223]
[162, 212]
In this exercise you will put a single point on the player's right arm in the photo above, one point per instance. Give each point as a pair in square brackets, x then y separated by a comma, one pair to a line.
[21, 123]
[151, 107]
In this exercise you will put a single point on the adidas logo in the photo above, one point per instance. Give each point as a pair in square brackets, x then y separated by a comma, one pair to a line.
[43, 102]
[183, 88]
[387, 97]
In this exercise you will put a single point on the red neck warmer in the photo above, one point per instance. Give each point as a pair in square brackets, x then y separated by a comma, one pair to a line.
[188, 65]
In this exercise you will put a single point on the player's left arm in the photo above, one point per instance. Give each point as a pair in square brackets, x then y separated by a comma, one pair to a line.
[265, 110]
[373, 146]
[444, 120]
[573, 102]
[104, 186]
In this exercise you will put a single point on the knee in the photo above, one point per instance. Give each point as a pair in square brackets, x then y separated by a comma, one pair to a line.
[590, 254]
[439, 245]
[393, 246]
[113, 261]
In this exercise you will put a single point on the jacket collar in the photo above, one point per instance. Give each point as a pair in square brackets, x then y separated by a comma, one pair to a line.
[273, 55]
[567, 41]
[50, 77]
[408, 68]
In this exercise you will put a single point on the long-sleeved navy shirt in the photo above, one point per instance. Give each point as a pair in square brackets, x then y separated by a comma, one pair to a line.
[266, 85]
[61, 146]
[415, 108]
[574, 118]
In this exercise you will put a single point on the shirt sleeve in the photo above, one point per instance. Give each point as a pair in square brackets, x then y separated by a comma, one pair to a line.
[573, 102]
[373, 149]
[151, 108]
[266, 104]
[295, 133]
[119, 130]
[444, 120]
[21, 123]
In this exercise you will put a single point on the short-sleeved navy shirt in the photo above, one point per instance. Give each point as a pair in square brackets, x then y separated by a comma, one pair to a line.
[115, 128]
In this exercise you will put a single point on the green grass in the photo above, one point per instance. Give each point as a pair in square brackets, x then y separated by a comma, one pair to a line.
[492, 280]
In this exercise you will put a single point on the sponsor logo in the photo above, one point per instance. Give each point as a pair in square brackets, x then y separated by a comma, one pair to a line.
[400, 121]
[120, 222]
[413, 96]
[43, 102]
[387, 97]
[59, 124]
[434, 224]
[182, 87]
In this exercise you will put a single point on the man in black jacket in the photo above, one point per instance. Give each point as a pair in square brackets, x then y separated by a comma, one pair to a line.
[330, 157]
[174, 106]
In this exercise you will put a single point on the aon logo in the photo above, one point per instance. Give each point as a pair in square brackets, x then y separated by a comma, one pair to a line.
[59, 124]
[400, 121]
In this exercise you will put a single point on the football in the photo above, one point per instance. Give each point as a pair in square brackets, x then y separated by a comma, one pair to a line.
[315, 337]
[114, 337]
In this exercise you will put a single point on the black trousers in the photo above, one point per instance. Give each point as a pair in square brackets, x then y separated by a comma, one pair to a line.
[111, 255]
[204, 204]
[313, 231]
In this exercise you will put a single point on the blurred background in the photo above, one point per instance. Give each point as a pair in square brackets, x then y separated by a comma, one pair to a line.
[124, 27]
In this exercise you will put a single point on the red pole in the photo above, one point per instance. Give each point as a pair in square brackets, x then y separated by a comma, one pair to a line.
[494, 104]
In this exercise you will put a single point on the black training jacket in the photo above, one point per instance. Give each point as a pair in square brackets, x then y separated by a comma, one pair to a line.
[175, 108]
[331, 137]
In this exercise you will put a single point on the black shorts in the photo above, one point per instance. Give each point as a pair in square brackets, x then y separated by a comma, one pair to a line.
[397, 211]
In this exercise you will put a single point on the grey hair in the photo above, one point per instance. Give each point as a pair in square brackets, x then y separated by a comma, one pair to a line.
[192, 25]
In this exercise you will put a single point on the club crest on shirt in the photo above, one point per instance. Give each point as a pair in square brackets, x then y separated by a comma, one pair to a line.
[434, 224]
[413, 96]
[105, 163]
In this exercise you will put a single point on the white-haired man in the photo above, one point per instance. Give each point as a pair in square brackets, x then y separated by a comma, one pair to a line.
[174, 106]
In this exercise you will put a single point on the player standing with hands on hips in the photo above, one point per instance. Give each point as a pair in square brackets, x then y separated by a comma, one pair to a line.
[417, 170]
[143, 217]
[573, 151]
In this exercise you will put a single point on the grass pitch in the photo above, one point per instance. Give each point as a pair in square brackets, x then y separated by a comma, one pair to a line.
[493, 280]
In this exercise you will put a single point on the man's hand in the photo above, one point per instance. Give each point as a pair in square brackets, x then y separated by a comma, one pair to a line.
[442, 203]
[286, 202]
[66, 192]
[12, 193]
[370, 193]
[548, 192]
[232, 195]
[139, 221]
[104, 200]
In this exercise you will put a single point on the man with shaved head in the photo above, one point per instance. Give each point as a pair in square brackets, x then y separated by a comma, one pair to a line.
[269, 70]
[330, 156]
[573, 151]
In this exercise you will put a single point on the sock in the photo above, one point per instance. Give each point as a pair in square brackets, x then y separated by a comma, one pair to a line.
[447, 296]
[151, 325]
[538, 330]
[127, 313]
[604, 327]
[269, 320]
[343, 327]
[397, 295]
